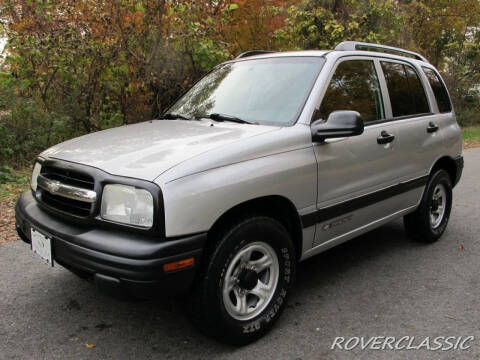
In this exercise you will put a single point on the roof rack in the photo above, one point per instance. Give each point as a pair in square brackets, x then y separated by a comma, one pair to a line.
[253, 53]
[357, 45]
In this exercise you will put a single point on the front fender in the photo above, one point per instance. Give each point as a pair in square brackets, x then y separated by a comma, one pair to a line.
[193, 203]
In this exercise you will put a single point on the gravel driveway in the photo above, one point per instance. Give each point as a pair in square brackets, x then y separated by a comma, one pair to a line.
[380, 284]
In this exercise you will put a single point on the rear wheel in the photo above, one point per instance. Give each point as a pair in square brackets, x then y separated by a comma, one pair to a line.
[430, 220]
[245, 282]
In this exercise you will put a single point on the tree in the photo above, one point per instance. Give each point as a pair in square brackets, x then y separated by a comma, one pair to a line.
[315, 24]
[76, 66]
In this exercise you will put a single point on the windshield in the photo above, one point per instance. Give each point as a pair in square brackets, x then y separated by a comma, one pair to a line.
[268, 91]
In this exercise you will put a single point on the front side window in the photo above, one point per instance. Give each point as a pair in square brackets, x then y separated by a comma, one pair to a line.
[354, 86]
[269, 91]
[439, 90]
[407, 95]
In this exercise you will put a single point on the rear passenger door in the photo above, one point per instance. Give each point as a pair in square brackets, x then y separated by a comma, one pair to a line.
[444, 114]
[413, 113]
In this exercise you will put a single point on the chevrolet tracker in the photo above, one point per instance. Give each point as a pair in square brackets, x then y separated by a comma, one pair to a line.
[269, 159]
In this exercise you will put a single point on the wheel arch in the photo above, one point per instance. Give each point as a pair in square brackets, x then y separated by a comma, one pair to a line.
[278, 207]
[448, 164]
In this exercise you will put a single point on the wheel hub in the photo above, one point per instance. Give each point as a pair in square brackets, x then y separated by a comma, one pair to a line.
[438, 205]
[247, 279]
[250, 280]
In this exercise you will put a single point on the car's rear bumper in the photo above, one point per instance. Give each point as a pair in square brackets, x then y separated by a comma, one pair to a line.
[117, 261]
[459, 169]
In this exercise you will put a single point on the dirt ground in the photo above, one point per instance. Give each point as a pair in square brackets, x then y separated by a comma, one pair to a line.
[471, 144]
[9, 194]
[7, 222]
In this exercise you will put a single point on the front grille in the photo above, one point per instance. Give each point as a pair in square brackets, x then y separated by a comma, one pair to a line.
[72, 178]
[69, 177]
[74, 207]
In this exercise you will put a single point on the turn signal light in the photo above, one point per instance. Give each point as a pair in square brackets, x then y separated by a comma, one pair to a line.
[180, 264]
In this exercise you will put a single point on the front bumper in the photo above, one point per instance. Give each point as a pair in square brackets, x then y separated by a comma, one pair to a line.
[116, 260]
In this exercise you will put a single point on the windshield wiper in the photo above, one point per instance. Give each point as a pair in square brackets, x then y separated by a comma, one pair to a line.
[223, 117]
[171, 116]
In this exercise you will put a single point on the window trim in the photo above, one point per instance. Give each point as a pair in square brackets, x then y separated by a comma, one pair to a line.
[405, 63]
[398, 118]
[345, 58]
[444, 86]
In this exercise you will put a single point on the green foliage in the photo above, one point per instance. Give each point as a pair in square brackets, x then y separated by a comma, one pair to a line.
[73, 67]
[13, 183]
[468, 115]
[310, 26]
[197, 35]
[6, 174]
[9, 176]
[471, 136]
[26, 128]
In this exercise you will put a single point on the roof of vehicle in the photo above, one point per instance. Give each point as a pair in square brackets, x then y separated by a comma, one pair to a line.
[347, 48]
[270, 54]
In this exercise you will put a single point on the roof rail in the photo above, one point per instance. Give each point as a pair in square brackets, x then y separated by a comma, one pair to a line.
[357, 45]
[252, 53]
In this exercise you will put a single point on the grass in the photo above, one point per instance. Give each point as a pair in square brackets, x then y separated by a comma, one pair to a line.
[471, 136]
[13, 183]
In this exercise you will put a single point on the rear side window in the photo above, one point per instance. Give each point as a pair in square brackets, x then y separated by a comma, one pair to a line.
[354, 86]
[418, 92]
[439, 90]
[407, 95]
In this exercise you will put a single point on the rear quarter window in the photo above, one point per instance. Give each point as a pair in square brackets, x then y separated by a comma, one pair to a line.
[439, 90]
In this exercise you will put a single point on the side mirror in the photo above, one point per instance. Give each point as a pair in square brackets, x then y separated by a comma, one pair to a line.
[343, 123]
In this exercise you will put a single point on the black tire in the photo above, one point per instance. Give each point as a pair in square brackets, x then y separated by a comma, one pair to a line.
[418, 224]
[206, 306]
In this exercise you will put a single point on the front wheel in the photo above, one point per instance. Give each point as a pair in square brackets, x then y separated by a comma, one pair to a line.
[245, 283]
[429, 221]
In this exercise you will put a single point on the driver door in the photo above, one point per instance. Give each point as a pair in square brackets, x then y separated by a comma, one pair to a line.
[354, 172]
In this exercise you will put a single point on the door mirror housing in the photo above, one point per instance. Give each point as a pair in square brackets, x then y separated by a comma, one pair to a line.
[343, 123]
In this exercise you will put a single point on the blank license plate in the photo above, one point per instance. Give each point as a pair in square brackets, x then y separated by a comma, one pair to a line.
[42, 246]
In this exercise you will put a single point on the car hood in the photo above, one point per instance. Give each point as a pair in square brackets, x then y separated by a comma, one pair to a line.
[146, 150]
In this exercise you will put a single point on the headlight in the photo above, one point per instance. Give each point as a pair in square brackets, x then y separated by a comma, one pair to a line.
[36, 171]
[127, 205]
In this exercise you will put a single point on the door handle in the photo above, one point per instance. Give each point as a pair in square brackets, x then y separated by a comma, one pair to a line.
[432, 127]
[385, 138]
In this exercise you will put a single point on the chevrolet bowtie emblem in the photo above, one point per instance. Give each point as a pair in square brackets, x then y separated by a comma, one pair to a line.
[53, 186]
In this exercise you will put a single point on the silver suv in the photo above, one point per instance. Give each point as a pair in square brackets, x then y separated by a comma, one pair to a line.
[267, 160]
